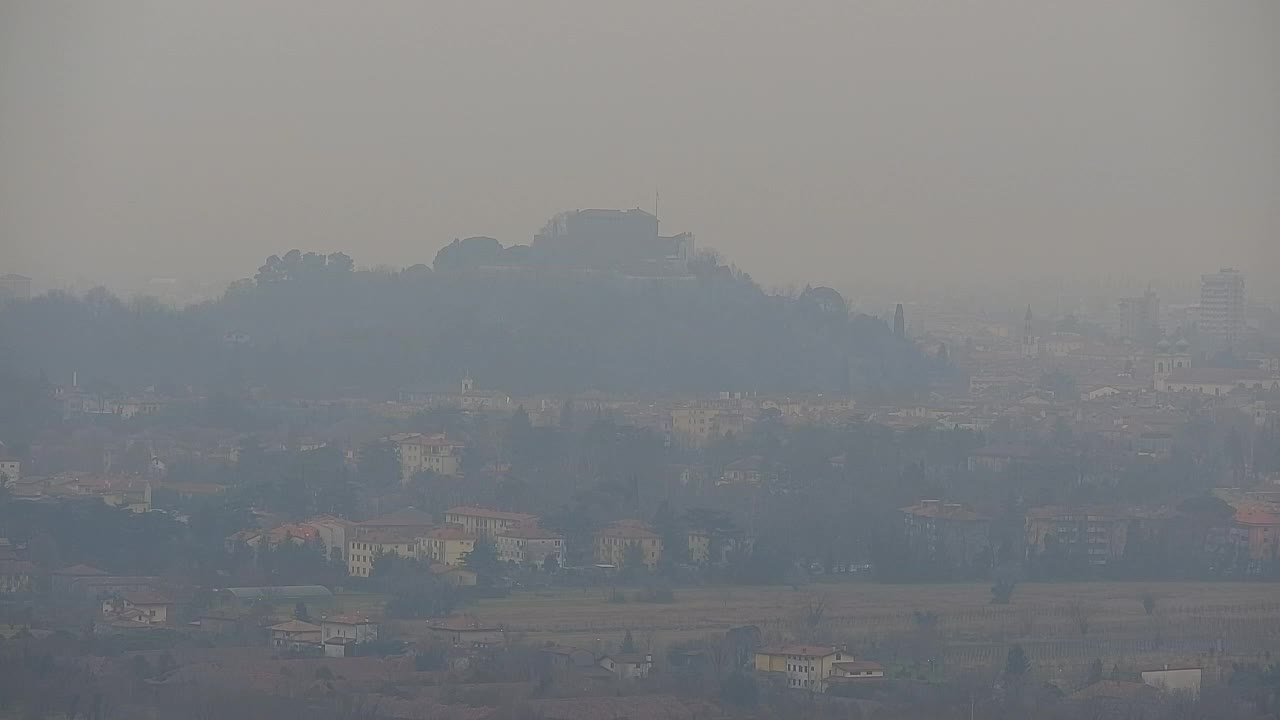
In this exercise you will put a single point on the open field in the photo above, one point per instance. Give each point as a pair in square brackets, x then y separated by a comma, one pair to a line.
[1068, 622]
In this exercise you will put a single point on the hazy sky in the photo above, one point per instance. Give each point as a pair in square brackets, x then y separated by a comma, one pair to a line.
[823, 140]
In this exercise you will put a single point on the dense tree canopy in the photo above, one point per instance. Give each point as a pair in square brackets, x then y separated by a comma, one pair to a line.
[308, 322]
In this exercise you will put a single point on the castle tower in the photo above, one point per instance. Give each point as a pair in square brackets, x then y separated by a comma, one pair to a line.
[468, 384]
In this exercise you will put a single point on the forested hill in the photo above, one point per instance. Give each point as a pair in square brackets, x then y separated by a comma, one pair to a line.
[312, 324]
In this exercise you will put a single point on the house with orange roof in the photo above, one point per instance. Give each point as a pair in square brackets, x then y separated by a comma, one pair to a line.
[465, 631]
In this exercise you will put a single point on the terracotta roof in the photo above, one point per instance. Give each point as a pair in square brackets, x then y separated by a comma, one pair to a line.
[347, 620]
[449, 531]
[146, 598]
[859, 666]
[801, 650]
[531, 533]
[294, 626]
[488, 513]
[1256, 516]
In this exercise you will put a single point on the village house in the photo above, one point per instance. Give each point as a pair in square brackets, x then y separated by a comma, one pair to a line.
[465, 631]
[364, 549]
[628, 666]
[454, 575]
[614, 542]
[423, 453]
[946, 531]
[485, 522]
[11, 469]
[1100, 534]
[803, 667]
[528, 545]
[332, 532]
[296, 635]
[149, 608]
[563, 657]
[341, 633]
[447, 544]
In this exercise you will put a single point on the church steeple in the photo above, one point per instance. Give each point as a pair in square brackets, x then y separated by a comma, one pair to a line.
[1029, 349]
[899, 322]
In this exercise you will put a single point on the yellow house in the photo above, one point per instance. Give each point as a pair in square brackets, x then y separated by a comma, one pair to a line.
[614, 542]
[447, 544]
[804, 667]
[362, 550]
[484, 522]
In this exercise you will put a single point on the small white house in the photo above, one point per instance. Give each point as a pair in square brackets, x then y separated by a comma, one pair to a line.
[341, 633]
[628, 666]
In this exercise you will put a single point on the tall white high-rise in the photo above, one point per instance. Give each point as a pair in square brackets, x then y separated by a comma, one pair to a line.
[1221, 320]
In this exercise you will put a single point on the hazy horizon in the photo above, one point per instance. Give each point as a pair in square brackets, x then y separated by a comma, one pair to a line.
[856, 143]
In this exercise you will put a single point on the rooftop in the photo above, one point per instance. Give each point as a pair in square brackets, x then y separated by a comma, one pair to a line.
[294, 626]
[473, 511]
[800, 650]
[408, 517]
[346, 620]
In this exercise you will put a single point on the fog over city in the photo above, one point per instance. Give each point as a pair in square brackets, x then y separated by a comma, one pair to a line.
[550, 360]
[850, 144]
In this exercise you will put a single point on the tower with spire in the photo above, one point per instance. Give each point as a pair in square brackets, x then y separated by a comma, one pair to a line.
[1030, 348]
[899, 322]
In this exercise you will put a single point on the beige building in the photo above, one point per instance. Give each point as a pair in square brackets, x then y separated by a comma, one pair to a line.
[804, 667]
[446, 545]
[422, 453]
[364, 549]
[484, 522]
[528, 544]
[295, 634]
[614, 543]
